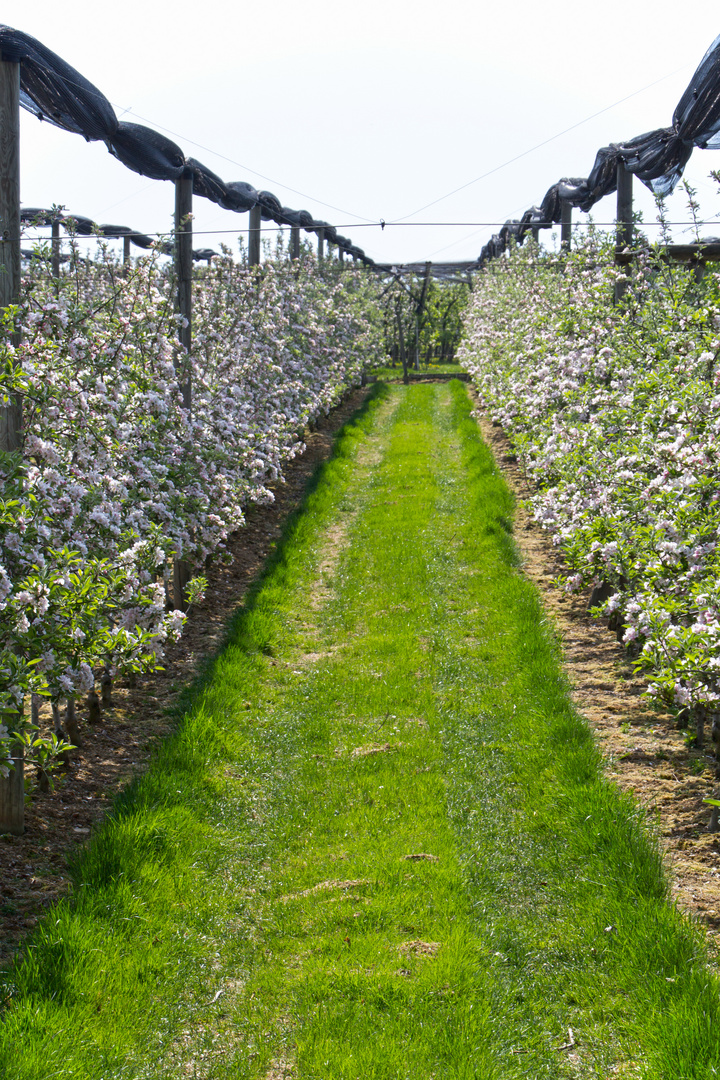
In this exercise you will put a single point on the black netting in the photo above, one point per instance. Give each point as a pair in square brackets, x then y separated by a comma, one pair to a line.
[114, 230]
[270, 205]
[76, 223]
[147, 152]
[290, 217]
[207, 184]
[239, 196]
[55, 91]
[658, 158]
[697, 116]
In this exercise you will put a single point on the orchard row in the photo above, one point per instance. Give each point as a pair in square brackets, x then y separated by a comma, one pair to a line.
[117, 478]
[615, 415]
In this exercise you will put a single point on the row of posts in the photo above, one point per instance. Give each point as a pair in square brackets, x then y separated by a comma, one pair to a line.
[623, 229]
[11, 418]
[11, 789]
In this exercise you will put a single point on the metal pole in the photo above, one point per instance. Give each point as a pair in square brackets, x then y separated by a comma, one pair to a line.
[254, 236]
[565, 225]
[12, 791]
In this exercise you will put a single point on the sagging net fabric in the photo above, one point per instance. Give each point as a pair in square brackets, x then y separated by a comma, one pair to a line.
[54, 91]
[78, 225]
[658, 158]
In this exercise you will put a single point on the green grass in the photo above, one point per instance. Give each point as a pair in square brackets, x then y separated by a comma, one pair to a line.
[389, 372]
[250, 911]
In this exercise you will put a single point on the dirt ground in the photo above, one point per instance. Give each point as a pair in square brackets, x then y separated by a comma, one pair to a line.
[34, 867]
[645, 752]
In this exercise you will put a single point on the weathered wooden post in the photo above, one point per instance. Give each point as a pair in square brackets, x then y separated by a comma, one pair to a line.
[565, 225]
[341, 255]
[321, 245]
[254, 236]
[12, 787]
[401, 342]
[535, 234]
[624, 233]
[126, 251]
[295, 242]
[183, 274]
[183, 271]
[55, 250]
[420, 310]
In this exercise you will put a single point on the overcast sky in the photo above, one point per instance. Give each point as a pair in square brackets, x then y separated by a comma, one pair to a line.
[358, 112]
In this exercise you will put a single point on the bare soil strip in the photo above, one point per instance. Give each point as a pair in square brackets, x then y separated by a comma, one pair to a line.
[646, 753]
[33, 867]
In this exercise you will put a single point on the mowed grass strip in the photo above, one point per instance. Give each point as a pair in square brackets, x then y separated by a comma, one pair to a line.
[381, 844]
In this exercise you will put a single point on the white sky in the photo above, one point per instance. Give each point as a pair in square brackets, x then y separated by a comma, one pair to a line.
[376, 108]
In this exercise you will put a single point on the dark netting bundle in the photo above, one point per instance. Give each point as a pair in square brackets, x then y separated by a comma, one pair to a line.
[658, 158]
[114, 230]
[239, 196]
[531, 219]
[697, 115]
[290, 217]
[76, 223]
[203, 254]
[270, 205]
[147, 152]
[33, 215]
[206, 184]
[54, 91]
[142, 241]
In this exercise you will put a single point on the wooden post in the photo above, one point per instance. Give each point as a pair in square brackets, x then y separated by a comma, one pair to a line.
[341, 255]
[401, 341]
[10, 415]
[12, 789]
[55, 251]
[321, 244]
[126, 250]
[295, 242]
[624, 233]
[535, 234]
[12, 796]
[183, 269]
[565, 225]
[254, 236]
[183, 273]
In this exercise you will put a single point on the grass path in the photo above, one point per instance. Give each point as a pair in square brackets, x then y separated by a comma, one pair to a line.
[381, 845]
